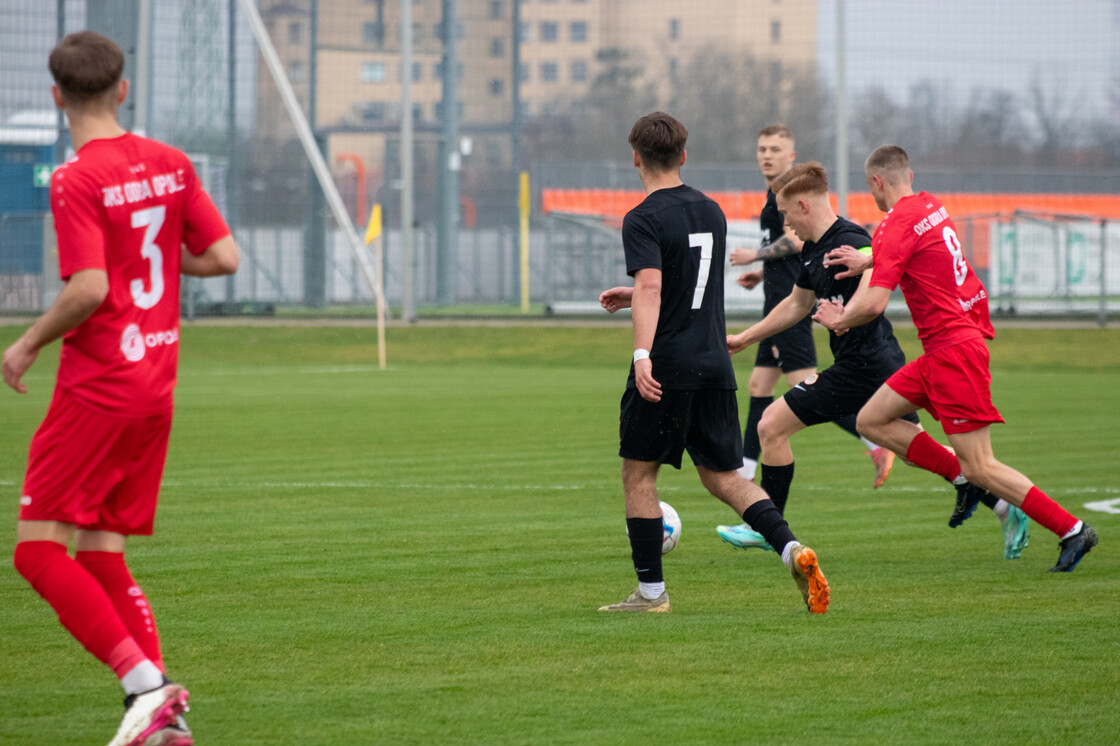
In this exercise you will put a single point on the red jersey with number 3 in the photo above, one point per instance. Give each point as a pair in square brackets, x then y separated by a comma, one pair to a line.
[916, 246]
[126, 205]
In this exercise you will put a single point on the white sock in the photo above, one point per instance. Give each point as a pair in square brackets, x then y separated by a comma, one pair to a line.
[746, 471]
[870, 446]
[1001, 509]
[143, 677]
[960, 479]
[787, 552]
[651, 590]
[1073, 531]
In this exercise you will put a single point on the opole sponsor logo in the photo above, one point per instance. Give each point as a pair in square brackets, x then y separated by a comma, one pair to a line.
[134, 343]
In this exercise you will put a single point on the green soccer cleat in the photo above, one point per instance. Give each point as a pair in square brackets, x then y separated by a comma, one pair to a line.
[809, 578]
[636, 602]
[743, 537]
[1016, 531]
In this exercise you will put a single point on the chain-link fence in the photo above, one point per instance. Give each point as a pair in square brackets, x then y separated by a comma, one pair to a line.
[1021, 108]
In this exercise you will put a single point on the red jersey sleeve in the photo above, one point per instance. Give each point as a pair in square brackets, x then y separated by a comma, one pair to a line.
[890, 253]
[77, 209]
[202, 224]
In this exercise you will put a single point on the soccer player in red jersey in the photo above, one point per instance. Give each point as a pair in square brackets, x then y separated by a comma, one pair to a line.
[916, 247]
[130, 215]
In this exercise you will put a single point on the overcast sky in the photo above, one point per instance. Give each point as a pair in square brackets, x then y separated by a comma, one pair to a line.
[964, 44]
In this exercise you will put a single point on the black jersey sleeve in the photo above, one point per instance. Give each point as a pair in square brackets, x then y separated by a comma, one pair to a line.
[640, 243]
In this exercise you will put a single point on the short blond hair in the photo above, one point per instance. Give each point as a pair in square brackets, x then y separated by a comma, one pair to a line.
[804, 178]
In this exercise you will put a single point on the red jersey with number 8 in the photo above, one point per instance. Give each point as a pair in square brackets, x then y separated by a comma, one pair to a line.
[126, 205]
[917, 247]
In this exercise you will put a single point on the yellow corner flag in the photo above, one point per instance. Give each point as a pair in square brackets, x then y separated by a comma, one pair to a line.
[373, 230]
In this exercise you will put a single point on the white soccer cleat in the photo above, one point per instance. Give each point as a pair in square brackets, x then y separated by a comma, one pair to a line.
[150, 712]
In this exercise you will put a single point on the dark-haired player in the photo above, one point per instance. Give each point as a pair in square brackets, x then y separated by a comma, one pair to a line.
[791, 353]
[130, 215]
[916, 248]
[680, 394]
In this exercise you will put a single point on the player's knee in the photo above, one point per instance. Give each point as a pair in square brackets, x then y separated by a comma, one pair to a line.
[31, 558]
[867, 425]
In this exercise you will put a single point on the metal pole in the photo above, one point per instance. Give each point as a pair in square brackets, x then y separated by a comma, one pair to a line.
[408, 248]
[143, 91]
[60, 121]
[450, 160]
[1102, 316]
[232, 169]
[842, 165]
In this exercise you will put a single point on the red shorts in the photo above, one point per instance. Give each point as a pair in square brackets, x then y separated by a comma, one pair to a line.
[953, 384]
[93, 469]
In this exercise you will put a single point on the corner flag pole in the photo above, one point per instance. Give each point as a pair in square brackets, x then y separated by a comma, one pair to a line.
[318, 165]
[373, 233]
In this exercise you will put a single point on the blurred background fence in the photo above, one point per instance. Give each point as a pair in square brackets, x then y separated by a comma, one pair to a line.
[1012, 118]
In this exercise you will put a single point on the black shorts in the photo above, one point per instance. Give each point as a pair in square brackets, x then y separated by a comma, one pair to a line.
[790, 350]
[838, 391]
[703, 421]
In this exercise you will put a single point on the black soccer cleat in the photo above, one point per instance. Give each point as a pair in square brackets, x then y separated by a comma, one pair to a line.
[968, 497]
[1074, 548]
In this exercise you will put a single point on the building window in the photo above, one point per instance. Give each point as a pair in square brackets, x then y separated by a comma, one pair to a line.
[417, 72]
[373, 33]
[674, 29]
[579, 71]
[579, 31]
[526, 31]
[417, 32]
[496, 87]
[548, 72]
[775, 31]
[297, 72]
[373, 72]
[497, 48]
[295, 32]
[674, 69]
[523, 70]
[372, 111]
[495, 8]
[549, 31]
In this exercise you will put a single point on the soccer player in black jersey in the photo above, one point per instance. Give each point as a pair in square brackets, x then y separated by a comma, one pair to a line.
[680, 394]
[790, 353]
[861, 363]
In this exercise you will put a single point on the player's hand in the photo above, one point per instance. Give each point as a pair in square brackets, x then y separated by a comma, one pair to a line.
[743, 255]
[848, 256]
[643, 377]
[17, 359]
[736, 342]
[749, 280]
[828, 315]
[616, 298]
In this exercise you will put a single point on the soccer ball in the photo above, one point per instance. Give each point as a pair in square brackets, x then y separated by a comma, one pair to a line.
[672, 523]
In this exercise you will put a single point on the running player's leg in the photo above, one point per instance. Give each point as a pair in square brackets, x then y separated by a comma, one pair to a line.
[778, 425]
[760, 386]
[974, 451]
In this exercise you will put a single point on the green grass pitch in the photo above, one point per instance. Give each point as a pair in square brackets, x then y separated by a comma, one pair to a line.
[415, 556]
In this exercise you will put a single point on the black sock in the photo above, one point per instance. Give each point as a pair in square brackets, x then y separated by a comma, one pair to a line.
[848, 423]
[776, 481]
[646, 535]
[989, 499]
[751, 447]
[765, 518]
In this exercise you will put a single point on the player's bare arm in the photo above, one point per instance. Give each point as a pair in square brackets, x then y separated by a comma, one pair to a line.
[220, 258]
[783, 247]
[850, 257]
[749, 280]
[616, 298]
[794, 307]
[85, 290]
[646, 310]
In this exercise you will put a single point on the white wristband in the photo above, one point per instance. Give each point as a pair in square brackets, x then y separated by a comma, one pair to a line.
[641, 354]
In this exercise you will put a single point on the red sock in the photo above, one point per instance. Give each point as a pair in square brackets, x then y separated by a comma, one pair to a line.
[83, 607]
[109, 569]
[1045, 512]
[927, 453]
